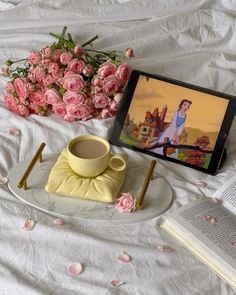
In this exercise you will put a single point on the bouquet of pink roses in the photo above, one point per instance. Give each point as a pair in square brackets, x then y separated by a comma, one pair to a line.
[73, 81]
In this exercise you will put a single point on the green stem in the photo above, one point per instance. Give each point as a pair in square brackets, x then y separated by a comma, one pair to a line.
[54, 35]
[89, 41]
[62, 35]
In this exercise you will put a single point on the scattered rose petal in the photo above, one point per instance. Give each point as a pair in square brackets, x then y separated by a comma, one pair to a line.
[29, 224]
[213, 220]
[14, 131]
[164, 248]
[75, 269]
[216, 200]
[3, 180]
[123, 258]
[116, 283]
[206, 217]
[58, 221]
[201, 184]
[233, 243]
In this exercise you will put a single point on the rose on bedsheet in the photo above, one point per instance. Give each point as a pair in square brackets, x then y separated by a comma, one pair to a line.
[76, 82]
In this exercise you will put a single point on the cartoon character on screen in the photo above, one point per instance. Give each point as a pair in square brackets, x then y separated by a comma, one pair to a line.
[175, 129]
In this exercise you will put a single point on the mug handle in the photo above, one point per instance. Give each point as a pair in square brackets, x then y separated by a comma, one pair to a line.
[118, 162]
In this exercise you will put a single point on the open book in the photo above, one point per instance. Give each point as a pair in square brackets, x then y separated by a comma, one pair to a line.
[207, 227]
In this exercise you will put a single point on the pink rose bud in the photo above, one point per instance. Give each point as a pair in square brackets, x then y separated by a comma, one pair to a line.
[5, 72]
[78, 50]
[88, 71]
[129, 52]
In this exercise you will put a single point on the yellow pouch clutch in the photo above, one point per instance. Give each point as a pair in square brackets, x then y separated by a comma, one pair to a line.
[104, 187]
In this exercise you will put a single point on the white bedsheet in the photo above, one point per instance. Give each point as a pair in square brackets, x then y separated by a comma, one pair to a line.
[189, 40]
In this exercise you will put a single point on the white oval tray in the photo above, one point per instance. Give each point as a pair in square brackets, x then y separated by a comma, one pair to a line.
[158, 196]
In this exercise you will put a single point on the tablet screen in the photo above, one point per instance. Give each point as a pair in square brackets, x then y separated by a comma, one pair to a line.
[173, 121]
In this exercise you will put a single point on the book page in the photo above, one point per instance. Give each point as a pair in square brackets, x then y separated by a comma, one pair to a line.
[227, 193]
[220, 236]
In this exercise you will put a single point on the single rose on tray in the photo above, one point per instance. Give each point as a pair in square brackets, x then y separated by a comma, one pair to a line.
[126, 203]
[76, 82]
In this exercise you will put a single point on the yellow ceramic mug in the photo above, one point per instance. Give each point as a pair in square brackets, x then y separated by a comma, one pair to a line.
[89, 156]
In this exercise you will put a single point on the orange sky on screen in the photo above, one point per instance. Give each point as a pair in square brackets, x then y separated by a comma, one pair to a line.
[206, 111]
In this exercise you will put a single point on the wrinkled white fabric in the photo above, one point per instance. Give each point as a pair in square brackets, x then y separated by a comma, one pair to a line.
[189, 40]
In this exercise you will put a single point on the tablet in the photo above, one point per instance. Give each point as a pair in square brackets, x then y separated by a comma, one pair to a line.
[175, 121]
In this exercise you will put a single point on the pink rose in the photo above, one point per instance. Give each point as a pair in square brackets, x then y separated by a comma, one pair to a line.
[11, 102]
[88, 71]
[71, 97]
[34, 57]
[22, 110]
[59, 109]
[9, 88]
[106, 69]
[58, 76]
[78, 50]
[101, 100]
[123, 72]
[45, 62]
[111, 85]
[69, 118]
[76, 65]
[53, 68]
[97, 82]
[46, 52]
[52, 96]
[56, 55]
[73, 82]
[39, 73]
[81, 111]
[129, 52]
[105, 113]
[49, 79]
[21, 89]
[126, 203]
[37, 98]
[65, 58]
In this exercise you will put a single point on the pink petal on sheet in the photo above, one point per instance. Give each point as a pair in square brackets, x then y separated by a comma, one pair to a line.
[58, 221]
[75, 269]
[233, 243]
[216, 200]
[3, 180]
[213, 220]
[206, 217]
[164, 248]
[123, 258]
[201, 184]
[29, 224]
[14, 131]
[116, 283]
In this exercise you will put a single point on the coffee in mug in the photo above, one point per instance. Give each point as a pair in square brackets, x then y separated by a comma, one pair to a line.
[89, 156]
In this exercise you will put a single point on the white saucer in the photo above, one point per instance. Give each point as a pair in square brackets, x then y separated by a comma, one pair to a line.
[158, 196]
